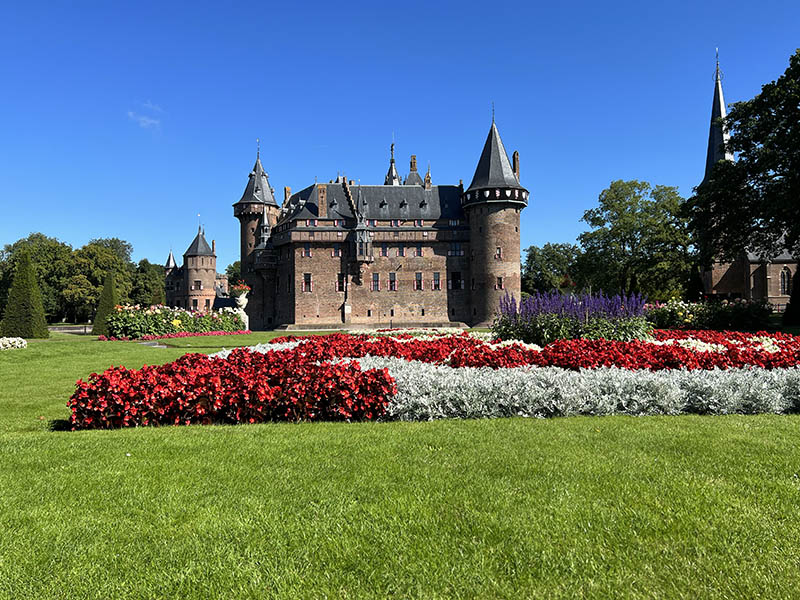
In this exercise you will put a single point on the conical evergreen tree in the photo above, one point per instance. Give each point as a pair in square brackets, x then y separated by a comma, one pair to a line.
[792, 314]
[24, 314]
[108, 300]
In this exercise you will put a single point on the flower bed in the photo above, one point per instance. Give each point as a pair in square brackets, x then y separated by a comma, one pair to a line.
[181, 334]
[746, 315]
[136, 322]
[12, 343]
[356, 377]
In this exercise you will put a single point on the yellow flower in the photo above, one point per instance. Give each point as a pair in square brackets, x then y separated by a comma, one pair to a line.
[176, 322]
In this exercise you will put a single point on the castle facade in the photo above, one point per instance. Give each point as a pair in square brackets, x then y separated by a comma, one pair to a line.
[195, 285]
[407, 252]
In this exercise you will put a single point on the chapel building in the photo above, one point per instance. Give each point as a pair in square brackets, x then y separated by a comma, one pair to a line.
[407, 252]
[750, 276]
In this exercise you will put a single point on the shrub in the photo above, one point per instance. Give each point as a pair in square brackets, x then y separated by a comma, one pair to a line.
[792, 314]
[24, 314]
[135, 322]
[545, 317]
[735, 315]
[105, 307]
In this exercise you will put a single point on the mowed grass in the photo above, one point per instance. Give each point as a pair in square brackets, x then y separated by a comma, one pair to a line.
[665, 507]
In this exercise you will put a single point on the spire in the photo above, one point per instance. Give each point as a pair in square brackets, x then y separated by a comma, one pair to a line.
[428, 183]
[171, 264]
[392, 178]
[494, 168]
[264, 231]
[717, 135]
[199, 245]
[258, 189]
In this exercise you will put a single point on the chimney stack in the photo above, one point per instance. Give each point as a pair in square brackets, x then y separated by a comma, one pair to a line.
[413, 162]
[287, 193]
[214, 247]
[322, 201]
[515, 160]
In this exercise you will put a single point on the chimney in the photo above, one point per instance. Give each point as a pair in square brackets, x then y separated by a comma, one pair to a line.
[322, 201]
[214, 247]
[413, 162]
[515, 160]
[287, 193]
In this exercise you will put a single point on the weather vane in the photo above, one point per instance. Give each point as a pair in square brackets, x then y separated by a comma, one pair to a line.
[258, 148]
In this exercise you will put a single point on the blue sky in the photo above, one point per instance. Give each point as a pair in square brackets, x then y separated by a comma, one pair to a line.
[128, 120]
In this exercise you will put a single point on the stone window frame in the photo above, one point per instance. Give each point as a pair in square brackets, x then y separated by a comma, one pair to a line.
[306, 250]
[786, 281]
[401, 251]
[436, 281]
[499, 284]
[308, 282]
[418, 251]
[392, 284]
[375, 284]
[419, 285]
[340, 283]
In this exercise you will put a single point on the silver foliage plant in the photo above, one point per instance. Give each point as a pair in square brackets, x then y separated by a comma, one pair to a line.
[427, 392]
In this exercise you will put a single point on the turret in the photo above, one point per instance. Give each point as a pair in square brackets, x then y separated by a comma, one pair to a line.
[717, 134]
[199, 273]
[257, 202]
[492, 203]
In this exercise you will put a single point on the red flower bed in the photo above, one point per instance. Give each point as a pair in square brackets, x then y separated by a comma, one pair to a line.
[180, 334]
[246, 387]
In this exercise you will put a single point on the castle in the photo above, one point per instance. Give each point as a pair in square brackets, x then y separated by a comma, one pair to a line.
[750, 276]
[195, 285]
[407, 252]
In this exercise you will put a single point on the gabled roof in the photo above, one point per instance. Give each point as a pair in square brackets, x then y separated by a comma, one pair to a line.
[199, 246]
[171, 264]
[494, 169]
[717, 136]
[258, 189]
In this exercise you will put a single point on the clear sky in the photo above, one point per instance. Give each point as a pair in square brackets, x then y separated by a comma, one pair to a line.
[128, 119]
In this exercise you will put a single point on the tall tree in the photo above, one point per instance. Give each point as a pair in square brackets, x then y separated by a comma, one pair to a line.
[148, 283]
[234, 272]
[639, 241]
[751, 204]
[89, 267]
[549, 267]
[105, 307]
[24, 312]
[121, 248]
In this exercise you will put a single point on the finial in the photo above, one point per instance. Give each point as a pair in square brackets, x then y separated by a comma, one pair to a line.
[198, 223]
[258, 148]
[492, 112]
[392, 148]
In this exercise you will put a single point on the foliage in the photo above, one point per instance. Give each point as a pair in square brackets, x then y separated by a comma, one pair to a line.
[245, 387]
[638, 242]
[148, 283]
[52, 260]
[551, 267]
[134, 321]
[106, 306]
[234, 271]
[736, 315]
[179, 335]
[90, 265]
[122, 249]
[791, 316]
[24, 313]
[545, 317]
[751, 204]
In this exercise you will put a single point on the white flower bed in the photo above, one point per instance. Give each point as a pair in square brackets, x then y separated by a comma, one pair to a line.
[11, 343]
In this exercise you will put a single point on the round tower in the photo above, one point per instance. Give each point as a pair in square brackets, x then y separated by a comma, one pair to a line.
[199, 273]
[492, 204]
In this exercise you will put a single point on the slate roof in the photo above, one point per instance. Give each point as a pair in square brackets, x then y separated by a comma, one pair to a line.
[494, 169]
[783, 257]
[383, 202]
[717, 136]
[258, 189]
[199, 246]
[171, 264]
[413, 179]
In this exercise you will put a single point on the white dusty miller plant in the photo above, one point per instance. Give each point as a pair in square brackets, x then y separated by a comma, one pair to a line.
[11, 343]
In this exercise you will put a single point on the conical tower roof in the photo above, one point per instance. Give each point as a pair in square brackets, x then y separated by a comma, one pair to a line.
[392, 177]
[717, 135]
[199, 246]
[258, 189]
[494, 169]
[171, 264]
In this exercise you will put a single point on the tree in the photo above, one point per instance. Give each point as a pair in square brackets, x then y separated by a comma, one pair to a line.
[234, 272]
[546, 268]
[90, 265]
[792, 314]
[24, 312]
[51, 259]
[751, 204]
[108, 300]
[639, 241]
[148, 283]
[119, 247]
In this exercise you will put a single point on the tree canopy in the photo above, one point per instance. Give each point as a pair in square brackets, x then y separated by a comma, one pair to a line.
[752, 203]
[24, 313]
[550, 267]
[234, 272]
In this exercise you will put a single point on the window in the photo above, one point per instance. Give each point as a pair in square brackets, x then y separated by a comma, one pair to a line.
[308, 285]
[198, 285]
[194, 303]
[311, 222]
[786, 282]
[401, 251]
[338, 223]
[454, 222]
[498, 252]
[208, 304]
[369, 312]
[436, 284]
[392, 282]
[395, 223]
[499, 284]
[337, 250]
[418, 251]
[417, 281]
[417, 222]
[391, 312]
[340, 283]
[376, 282]
[455, 249]
[455, 282]
[384, 249]
[371, 222]
[306, 249]
[361, 248]
[422, 312]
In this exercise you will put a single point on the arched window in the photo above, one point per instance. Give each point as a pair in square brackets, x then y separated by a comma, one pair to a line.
[786, 282]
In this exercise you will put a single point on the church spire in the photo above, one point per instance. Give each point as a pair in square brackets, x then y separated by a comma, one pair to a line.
[392, 178]
[717, 135]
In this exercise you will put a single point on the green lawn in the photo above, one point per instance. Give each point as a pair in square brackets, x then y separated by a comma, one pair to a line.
[661, 507]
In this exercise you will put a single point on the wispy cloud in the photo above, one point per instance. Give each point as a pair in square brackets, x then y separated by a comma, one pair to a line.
[151, 106]
[144, 121]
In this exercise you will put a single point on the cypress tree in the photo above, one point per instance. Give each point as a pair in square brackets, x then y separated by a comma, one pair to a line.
[108, 300]
[24, 314]
[792, 314]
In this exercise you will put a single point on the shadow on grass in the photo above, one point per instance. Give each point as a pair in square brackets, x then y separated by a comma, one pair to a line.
[60, 425]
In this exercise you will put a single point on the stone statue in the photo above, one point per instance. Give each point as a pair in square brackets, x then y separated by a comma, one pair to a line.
[241, 302]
